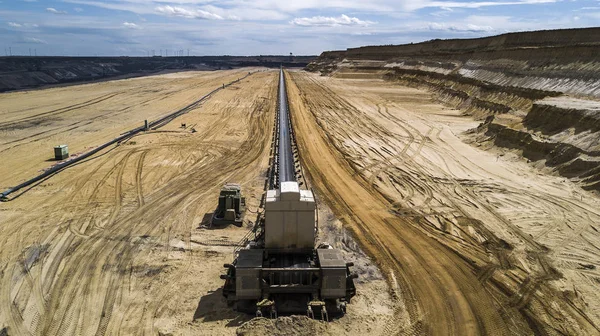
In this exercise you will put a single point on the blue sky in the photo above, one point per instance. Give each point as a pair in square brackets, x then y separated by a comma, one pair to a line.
[250, 27]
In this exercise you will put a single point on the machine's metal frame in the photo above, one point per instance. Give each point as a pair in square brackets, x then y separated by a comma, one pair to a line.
[231, 200]
[287, 274]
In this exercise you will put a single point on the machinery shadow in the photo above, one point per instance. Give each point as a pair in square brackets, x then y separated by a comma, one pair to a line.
[207, 225]
[206, 219]
[213, 307]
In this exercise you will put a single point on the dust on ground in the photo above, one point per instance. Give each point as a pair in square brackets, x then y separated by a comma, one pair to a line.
[282, 326]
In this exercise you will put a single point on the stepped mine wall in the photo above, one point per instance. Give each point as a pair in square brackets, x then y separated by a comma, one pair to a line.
[537, 93]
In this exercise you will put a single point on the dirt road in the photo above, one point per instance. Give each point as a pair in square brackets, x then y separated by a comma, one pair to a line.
[473, 242]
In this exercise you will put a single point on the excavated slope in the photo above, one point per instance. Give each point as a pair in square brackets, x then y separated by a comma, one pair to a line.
[536, 92]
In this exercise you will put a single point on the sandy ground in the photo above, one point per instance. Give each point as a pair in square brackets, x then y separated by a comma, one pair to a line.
[85, 116]
[114, 245]
[472, 241]
[468, 241]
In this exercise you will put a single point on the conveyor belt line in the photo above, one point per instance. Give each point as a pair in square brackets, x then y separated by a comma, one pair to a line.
[285, 155]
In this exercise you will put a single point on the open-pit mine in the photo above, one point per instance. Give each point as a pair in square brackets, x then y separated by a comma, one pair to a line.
[449, 187]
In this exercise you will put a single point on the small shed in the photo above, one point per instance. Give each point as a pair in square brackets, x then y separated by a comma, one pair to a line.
[61, 152]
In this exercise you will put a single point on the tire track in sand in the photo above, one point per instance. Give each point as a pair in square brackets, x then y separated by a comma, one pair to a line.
[138, 178]
[518, 316]
[439, 289]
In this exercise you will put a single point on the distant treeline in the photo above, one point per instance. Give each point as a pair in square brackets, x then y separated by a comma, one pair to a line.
[22, 72]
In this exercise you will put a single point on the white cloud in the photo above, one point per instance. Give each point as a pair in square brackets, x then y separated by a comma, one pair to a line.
[244, 8]
[246, 13]
[188, 13]
[22, 25]
[131, 25]
[480, 4]
[459, 28]
[255, 10]
[324, 21]
[134, 7]
[78, 9]
[54, 11]
[268, 26]
[281, 10]
[34, 40]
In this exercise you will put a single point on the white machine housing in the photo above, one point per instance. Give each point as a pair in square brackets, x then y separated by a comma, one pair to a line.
[290, 218]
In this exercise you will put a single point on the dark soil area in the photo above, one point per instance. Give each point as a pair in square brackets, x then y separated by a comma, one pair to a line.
[20, 72]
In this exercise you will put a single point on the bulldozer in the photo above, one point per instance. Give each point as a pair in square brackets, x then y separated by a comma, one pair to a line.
[231, 207]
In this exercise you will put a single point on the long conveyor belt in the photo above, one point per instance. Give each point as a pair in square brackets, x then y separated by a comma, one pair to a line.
[286, 156]
[281, 270]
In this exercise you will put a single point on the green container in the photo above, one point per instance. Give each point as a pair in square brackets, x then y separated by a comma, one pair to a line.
[61, 152]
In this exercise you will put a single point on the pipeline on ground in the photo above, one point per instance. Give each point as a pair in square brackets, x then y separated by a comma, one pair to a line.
[154, 125]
